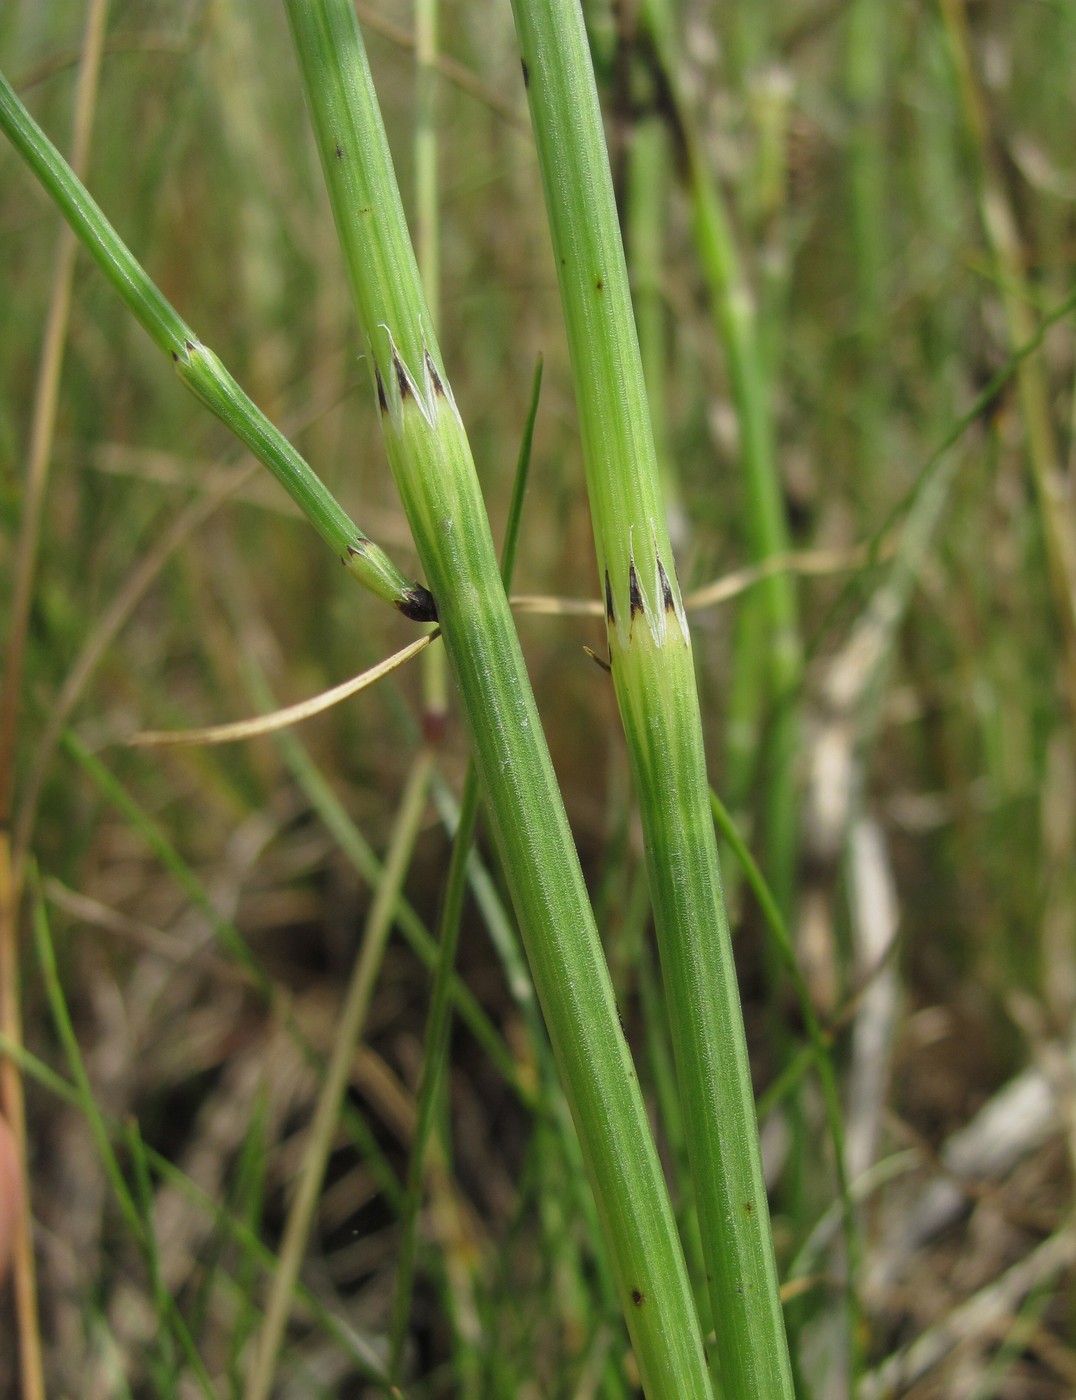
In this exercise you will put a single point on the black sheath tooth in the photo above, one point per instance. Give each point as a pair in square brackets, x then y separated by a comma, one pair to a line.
[634, 592]
[609, 614]
[402, 377]
[526, 73]
[381, 391]
[435, 378]
[417, 604]
[666, 587]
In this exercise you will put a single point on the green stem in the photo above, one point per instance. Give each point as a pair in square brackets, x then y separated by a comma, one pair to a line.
[648, 195]
[775, 648]
[438, 1027]
[652, 669]
[436, 1052]
[434, 471]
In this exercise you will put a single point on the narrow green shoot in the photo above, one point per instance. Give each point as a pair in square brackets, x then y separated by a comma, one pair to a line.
[348, 1030]
[438, 1026]
[771, 633]
[431, 462]
[200, 369]
[651, 660]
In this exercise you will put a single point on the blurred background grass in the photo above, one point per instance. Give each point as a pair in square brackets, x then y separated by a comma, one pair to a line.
[935, 891]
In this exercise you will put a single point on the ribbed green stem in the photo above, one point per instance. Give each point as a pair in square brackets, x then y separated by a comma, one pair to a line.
[734, 314]
[648, 196]
[432, 464]
[775, 646]
[428, 248]
[653, 674]
[436, 1050]
[200, 369]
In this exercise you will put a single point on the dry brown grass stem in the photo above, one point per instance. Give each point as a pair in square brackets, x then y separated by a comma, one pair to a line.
[723, 590]
[31, 1370]
[292, 714]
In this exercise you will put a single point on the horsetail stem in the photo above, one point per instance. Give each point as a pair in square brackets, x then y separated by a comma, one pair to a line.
[431, 462]
[652, 669]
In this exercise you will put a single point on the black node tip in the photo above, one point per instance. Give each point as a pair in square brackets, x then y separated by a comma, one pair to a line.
[383, 402]
[417, 604]
[526, 73]
[609, 615]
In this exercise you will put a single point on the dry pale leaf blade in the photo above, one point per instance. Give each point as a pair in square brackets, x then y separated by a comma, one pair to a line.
[281, 719]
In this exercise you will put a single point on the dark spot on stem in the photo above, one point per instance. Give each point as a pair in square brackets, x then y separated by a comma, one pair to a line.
[599, 285]
[190, 346]
[339, 151]
[609, 615]
[634, 592]
[666, 587]
[381, 391]
[401, 375]
[175, 356]
[417, 604]
[438, 387]
[749, 1208]
[526, 73]
[638, 1297]
[564, 262]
